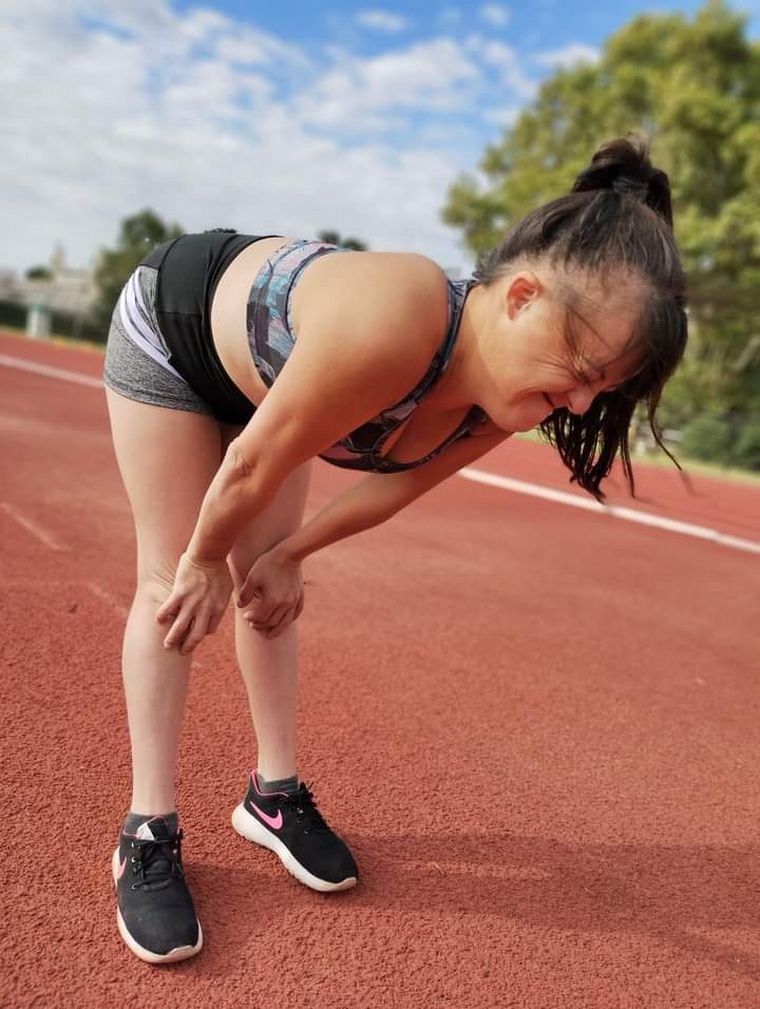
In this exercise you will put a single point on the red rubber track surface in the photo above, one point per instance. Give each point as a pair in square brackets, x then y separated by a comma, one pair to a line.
[537, 727]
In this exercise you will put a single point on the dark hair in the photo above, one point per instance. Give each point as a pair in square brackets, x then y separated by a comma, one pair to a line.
[618, 215]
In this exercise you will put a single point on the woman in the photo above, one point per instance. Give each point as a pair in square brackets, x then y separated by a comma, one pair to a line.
[217, 411]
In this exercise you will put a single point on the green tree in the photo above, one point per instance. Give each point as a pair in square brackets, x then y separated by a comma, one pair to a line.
[137, 236]
[39, 273]
[333, 238]
[693, 88]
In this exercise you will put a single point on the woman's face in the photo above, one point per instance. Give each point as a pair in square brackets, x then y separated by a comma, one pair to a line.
[532, 368]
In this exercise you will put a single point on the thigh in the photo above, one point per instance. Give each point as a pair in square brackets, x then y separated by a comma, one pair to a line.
[167, 457]
[136, 362]
[283, 515]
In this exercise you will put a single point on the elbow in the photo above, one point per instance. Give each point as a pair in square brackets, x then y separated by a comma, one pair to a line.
[237, 463]
[251, 474]
[255, 475]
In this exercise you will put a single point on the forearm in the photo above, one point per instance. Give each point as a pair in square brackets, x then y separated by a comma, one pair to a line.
[234, 496]
[368, 503]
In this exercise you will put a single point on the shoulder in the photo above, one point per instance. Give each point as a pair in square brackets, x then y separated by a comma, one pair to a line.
[394, 301]
[367, 326]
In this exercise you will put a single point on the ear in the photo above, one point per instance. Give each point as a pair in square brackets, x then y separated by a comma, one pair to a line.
[523, 289]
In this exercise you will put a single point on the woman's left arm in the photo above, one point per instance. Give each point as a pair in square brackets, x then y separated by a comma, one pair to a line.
[367, 503]
[379, 496]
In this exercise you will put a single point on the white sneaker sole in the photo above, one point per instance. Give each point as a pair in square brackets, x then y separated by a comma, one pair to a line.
[178, 953]
[248, 826]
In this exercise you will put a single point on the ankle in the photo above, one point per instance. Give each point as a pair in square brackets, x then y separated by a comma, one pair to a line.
[283, 784]
[133, 821]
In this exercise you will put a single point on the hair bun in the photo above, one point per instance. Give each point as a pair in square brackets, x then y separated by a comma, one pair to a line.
[624, 166]
[627, 185]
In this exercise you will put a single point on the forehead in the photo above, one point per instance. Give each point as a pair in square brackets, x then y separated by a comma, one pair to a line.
[604, 325]
[606, 347]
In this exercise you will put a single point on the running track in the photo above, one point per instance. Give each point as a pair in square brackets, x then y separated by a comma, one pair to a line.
[537, 726]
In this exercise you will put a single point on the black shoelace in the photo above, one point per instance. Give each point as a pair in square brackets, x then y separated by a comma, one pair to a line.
[303, 805]
[157, 861]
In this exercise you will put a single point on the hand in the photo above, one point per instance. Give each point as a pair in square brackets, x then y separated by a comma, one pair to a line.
[197, 602]
[273, 591]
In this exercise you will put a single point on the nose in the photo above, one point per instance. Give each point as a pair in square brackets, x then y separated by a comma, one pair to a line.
[579, 400]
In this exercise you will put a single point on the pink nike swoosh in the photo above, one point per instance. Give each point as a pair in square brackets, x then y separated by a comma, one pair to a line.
[275, 822]
[122, 867]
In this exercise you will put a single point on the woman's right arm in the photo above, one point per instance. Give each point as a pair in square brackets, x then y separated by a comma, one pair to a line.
[355, 358]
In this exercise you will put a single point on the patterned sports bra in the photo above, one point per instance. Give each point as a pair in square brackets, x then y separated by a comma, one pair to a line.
[271, 338]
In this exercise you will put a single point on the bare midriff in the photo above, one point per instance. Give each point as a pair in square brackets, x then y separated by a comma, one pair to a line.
[228, 316]
[427, 427]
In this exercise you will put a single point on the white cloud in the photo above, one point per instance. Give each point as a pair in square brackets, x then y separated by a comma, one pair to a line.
[114, 107]
[364, 95]
[381, 21]
[568, 56]
[503, 117]
[504, 59]
[495, 15]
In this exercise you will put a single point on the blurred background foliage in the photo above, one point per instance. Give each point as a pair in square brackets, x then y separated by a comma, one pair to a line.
[137, 236]
[692, 88]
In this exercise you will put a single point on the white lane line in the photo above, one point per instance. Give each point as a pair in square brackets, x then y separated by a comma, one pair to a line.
[480, 476]
[615, 511]
[106, 596]
[32, 527]
[44, 369]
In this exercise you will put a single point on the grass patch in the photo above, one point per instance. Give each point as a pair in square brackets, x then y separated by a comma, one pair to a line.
[55, 338]
[660, 459]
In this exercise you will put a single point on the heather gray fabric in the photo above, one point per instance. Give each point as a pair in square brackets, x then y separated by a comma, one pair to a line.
[136, 362]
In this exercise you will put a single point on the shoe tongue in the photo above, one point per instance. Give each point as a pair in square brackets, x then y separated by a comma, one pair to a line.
[155, 829]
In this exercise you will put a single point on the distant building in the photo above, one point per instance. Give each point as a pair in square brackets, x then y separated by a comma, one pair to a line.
[67, 290]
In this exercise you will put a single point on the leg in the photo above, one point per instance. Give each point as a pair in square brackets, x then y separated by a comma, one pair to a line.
[290, 825]
[270, 667]
[167, 458]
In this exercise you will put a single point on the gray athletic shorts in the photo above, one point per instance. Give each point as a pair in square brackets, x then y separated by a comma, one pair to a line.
[137, 358]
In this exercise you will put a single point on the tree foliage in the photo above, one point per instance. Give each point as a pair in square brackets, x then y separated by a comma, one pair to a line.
[333, 238]
[137, 236]
[39, 273]
[693, 89]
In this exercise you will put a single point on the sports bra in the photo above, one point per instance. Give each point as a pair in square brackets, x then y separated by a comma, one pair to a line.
[271, 339]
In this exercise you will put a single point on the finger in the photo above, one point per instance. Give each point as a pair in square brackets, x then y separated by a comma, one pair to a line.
[291, 615]
[275, 632]
[278, 624]
[213, 624]
[275, 627]
[274, 617]
[179, 629]
[299, 608]
[287, 619]
[261, 613]
[168, 609]
[251, 591]
[196, 633]
[237, 582]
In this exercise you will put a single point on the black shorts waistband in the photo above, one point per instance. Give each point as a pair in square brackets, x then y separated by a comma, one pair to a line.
[189, 269]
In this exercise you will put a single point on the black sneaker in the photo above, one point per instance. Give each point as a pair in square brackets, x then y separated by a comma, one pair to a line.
[155, 912]
[292, 827]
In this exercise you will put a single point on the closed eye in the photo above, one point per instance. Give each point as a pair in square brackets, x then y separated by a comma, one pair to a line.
[588, 381]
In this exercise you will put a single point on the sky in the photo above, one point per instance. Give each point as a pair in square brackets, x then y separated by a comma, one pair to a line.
[271, 118]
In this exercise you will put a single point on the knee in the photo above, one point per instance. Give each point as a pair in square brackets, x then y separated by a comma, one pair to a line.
[156, 580]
